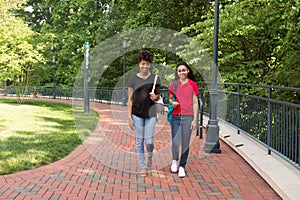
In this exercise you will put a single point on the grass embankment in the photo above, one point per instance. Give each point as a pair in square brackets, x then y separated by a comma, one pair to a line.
[39, 132]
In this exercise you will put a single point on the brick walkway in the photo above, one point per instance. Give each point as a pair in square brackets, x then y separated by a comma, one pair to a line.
[105, 167]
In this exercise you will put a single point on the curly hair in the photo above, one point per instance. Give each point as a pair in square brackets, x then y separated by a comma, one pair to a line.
[145, 55]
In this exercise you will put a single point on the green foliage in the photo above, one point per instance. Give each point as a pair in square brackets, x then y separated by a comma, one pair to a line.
[251, 33]
[289, 72]
[71, 23]
[64, 27]
[258, 39]
[19, 51]
[167, 14]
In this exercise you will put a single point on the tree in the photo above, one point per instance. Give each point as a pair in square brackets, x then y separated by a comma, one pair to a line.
[65, 26]
[19, 51]
[289, 71]
[250, 35]
[258, 40]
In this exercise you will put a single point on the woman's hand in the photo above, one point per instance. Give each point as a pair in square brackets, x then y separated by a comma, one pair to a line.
[193, 125]
[175, 104]
[131, 123]
[153, 96]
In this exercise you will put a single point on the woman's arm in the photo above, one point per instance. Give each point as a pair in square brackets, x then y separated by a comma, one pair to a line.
[171, 95]
[173, 103]
[170, 98]
[130, 100]
[195, 111]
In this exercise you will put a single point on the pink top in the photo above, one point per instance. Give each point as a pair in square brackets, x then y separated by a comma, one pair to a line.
[184, 96]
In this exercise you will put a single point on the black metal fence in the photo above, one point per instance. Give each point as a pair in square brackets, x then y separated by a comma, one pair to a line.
[255, 110]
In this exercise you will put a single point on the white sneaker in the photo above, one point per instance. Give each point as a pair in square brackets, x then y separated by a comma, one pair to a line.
[181, 172]
[174, 166]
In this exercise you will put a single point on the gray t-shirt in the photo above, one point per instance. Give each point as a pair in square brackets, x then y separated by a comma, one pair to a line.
[142, 105]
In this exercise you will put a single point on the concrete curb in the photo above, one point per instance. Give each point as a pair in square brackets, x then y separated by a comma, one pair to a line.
[281, 176]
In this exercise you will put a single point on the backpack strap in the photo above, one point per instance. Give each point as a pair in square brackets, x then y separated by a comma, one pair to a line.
[154, 83]
[175, 87]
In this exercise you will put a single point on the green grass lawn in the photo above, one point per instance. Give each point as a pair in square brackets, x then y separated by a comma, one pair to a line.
[39, 132]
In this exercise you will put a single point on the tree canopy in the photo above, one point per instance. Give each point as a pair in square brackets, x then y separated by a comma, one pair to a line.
[20, 54]
[42, 40]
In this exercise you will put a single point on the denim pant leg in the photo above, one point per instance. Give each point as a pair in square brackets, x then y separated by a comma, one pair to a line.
[176, 136]
[185, 139]
[149, 134]
[181, 135]
[144, 130]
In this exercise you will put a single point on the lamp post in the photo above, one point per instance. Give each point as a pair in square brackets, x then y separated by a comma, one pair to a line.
[86, 77]
[124, 71]
[211, 143]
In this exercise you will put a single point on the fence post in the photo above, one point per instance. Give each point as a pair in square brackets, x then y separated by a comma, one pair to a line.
[269, 120]
[238, 117]
[201, 115]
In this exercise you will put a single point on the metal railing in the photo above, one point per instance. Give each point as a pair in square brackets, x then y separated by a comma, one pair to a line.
[256, 110]
[259, 112]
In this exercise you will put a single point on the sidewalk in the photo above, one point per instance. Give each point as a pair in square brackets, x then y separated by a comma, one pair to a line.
[105, 167]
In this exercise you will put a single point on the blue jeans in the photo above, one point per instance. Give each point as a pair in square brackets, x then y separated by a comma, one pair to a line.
[144, 131]
[181, 136]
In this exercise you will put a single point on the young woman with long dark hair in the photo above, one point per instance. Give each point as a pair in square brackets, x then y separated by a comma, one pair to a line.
[184, 116]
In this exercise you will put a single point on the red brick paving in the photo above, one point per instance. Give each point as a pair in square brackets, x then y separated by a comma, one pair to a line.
[105, 167]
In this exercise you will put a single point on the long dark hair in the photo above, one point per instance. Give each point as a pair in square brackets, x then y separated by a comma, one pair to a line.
[190, 74]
